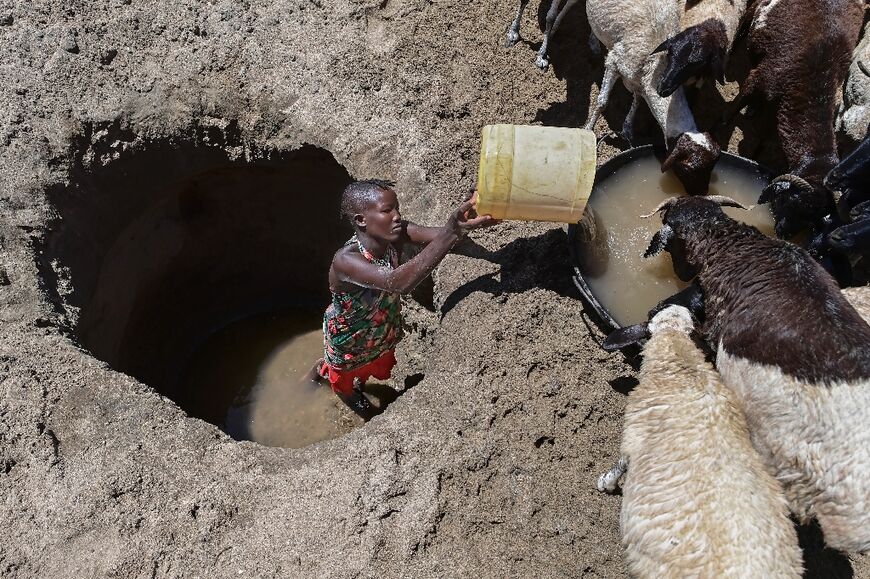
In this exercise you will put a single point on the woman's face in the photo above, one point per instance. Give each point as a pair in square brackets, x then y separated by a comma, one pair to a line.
[382, 218]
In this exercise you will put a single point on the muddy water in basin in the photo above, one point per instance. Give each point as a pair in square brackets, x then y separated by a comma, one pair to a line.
[626, 284]
[250, 379]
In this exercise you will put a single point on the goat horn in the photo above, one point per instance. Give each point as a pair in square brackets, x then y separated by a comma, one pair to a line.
[724, 201]
[663, 205]
[799, 182]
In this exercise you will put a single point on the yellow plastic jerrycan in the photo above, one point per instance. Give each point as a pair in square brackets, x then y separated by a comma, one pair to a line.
[535, 173]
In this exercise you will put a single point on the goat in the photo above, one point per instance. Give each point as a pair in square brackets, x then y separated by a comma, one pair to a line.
[801, 52]
[697, 500]
[851, 237]
[701, 48]
[554, 19]
[631, 29]
[795, 352]
[854, 115]
[851, 177]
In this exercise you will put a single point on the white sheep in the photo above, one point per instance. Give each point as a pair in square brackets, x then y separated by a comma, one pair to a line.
[854, 114]
[631, 30]
[697, 500]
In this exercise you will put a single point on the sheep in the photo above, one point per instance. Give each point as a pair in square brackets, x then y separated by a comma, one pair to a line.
[854, 114]
[554, 19]
[697, 500]
[795, 352]
[631, 29]
[701, 49]
[801, 52]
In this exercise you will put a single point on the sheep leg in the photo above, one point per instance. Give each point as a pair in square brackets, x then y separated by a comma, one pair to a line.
[627, 131]
[607, 481]
[541, 61]
[607, 83]
[513, 33]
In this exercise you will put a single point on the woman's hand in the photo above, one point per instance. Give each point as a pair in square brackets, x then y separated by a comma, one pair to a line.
[465, 218]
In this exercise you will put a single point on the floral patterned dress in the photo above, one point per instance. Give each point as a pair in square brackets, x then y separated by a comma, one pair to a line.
[361, 326]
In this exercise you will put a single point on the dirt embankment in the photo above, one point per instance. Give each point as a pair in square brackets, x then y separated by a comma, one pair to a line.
[484, 468]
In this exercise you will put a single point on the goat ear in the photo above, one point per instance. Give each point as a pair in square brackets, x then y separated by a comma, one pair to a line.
[659, 241]
[662, 47]
[772, 191]
[627, 336]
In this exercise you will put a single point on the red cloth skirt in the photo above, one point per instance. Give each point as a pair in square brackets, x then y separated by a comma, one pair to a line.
[342, 380]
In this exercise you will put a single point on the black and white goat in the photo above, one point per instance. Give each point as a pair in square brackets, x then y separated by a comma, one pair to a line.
[630, 30]
[700, 50]
[795, 352]
[801, 52]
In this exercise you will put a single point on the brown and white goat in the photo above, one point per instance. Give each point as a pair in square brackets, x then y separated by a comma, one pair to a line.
[630, 30]
[801, 51]
[795, 352]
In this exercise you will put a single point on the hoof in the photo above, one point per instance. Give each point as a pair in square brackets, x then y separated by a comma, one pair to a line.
[606, 483]
[542, 62]
[511, 39]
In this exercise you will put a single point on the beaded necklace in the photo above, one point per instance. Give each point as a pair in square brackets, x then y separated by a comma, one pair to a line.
[386, 261]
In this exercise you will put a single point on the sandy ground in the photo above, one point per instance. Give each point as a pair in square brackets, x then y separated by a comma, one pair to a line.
[484, 469]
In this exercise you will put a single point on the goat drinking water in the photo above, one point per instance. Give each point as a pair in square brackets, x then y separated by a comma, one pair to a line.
[631, 29]
[795, 352]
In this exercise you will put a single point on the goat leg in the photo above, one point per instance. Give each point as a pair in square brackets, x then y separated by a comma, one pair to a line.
[627, 131]
[747, 97]
[513, 33]
[541, 61]
[607, 481]
[607, 83]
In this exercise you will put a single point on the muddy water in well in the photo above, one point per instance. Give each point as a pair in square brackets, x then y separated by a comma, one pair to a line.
[626, 284]
[250, 379]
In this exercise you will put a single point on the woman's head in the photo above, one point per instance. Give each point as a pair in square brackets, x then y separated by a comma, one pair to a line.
[373, 208]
